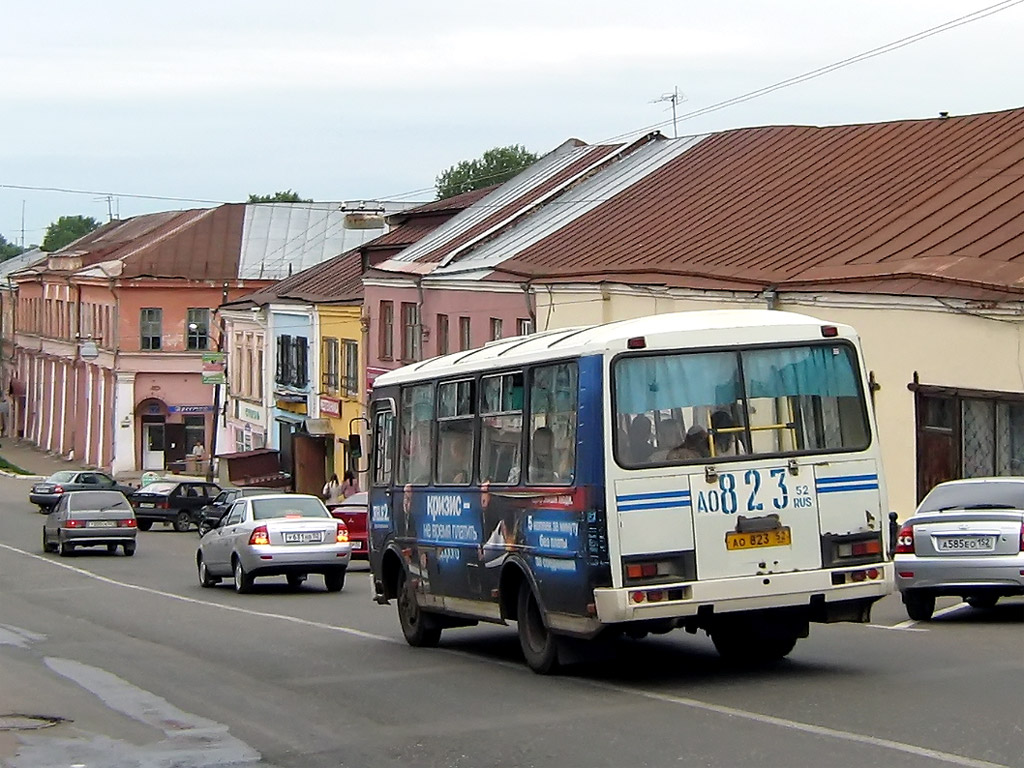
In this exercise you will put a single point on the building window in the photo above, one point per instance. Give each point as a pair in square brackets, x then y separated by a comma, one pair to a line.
[387, 330]
[410, 332]
[350, 378]
[331, 364]
[442, 334]
[495, 328]
[524, 326]
[292, 361]
[151, 322]
[197, 327]
[235, 367]
[465, 338]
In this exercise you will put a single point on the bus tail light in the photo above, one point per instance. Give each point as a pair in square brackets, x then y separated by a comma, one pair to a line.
[637, 342]
[905, 540]
[829, 331]
[641, 570]
[259, 536]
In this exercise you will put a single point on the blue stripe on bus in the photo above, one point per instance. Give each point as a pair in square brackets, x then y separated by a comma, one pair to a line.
[839, 479]
[645, 496]
[841, 488]
[655, 505]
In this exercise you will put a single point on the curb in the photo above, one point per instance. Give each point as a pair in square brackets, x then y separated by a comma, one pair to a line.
[5, 473]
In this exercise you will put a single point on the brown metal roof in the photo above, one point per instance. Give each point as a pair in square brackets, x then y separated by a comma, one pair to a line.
[450, 205]
[895, 207]
[337, 280]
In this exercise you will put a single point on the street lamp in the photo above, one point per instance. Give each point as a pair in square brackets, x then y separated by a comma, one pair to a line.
[88, 349]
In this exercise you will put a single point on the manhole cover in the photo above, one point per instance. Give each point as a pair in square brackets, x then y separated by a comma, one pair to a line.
[19, 722]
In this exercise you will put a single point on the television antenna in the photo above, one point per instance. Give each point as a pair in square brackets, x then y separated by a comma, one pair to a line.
[676, 98]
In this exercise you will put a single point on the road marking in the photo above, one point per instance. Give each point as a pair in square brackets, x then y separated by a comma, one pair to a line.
[941, 612]
[899, 627]
[194, 601]
[794, 725]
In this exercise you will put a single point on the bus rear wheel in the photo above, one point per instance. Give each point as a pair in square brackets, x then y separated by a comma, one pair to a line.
[418, 627]
[540, 645]
[746, 646]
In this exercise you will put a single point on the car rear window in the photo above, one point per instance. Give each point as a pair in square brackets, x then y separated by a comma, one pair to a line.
[61, 477]
[83, 500]
[356, 500]
[296, 506]
[158, 488]
[984, 495]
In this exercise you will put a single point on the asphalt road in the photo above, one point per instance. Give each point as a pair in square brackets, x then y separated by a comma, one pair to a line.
[149, 670]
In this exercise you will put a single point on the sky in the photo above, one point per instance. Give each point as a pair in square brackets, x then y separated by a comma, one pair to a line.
[213, 100]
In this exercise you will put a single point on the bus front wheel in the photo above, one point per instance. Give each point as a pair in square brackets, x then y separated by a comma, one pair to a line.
[419, 629]
[540, 646]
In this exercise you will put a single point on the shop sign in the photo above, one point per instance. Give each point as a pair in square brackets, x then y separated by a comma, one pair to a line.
[190, 409]
[371, 376]
[248, 413]
[330, 406]
[213, 368]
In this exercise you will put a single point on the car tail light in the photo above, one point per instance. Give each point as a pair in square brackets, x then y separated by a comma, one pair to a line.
[74, 523]
[129, 523]
[342, 534]
[905, 540]
[1022, 537]
[58, 489]
[259, 536]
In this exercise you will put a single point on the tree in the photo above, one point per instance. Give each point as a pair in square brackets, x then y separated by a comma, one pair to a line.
[493, 167]
[9, 250]
[67, 229]
[278, 197]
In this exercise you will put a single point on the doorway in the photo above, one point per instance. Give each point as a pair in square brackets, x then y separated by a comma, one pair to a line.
[153, 443]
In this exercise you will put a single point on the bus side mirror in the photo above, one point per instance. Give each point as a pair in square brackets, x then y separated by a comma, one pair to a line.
[355, 446]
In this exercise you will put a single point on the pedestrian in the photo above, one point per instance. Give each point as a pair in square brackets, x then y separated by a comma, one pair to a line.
[332, 490]
[5, 414]
[351, 485]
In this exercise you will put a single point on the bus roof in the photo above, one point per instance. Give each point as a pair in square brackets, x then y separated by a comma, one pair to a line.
[704, 328]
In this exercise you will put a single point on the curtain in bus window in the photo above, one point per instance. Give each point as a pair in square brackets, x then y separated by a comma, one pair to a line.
[416, 449]
[822, 371]
[675, 381]
[552, 438]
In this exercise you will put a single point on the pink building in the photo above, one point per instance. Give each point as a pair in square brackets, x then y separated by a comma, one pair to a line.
[110, 334]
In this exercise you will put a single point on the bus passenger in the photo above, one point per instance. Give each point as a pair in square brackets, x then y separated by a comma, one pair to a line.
[542, 466]
[726, 443]
[641, 433]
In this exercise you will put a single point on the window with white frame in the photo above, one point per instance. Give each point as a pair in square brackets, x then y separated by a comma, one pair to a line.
[350, 371]
[331, 365]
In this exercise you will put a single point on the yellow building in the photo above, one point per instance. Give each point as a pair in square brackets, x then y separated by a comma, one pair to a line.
[341, 398]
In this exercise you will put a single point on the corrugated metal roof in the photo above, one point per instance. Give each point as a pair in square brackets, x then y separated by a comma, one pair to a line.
[513, 197]
[939, 198]
[337, 280]
[22, 261]
[282, 239]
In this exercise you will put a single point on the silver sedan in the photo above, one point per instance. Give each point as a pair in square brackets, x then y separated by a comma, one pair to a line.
[273, 535]
[90, 519]
[965, 539]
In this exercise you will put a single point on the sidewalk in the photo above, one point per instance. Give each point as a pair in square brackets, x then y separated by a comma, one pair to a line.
[33, 460]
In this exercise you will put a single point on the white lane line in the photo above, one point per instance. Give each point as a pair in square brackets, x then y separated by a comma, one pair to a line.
[194, 601]
[937, 614]
[793, 725]
[899, 627]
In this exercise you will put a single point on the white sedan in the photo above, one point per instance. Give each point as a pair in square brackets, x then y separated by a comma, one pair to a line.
[276, 534]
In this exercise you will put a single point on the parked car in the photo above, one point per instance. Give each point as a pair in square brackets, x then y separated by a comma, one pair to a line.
[207, 518]
[355, 512]
[47, 493]
[965, 539]
[90, 519]
[172, 500]
[272, 535]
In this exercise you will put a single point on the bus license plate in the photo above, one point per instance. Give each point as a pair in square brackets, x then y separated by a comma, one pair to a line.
[776, 537]
[304, 538]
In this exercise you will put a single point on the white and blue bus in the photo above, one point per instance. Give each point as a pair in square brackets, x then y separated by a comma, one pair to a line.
[713, 471]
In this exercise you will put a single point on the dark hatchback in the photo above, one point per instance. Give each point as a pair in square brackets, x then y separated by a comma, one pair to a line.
[48, 492]
[208, 517]
[172, 501]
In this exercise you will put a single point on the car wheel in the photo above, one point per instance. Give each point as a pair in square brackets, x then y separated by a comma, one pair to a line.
[295, 580]
[982, 601]
[539, 644]
[920, 605]
[182, 522]
[129, 549]
[243, 581]
[144, 525]
[63, 548]
[335, 580]
[418, 627]
[112, 548]
[47, 546]
[205, 579]
[44, 510]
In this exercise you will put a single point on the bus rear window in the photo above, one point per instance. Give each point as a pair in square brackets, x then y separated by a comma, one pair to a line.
[693, 407]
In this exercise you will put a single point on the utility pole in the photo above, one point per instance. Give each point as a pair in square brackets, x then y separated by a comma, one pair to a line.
[22, 223]
[217, 387]
[676, 98]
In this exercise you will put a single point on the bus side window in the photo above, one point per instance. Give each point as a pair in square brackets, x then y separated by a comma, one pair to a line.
[553, 403]
[383, 440]
[416, 433]
[501, 428]
[455, 432]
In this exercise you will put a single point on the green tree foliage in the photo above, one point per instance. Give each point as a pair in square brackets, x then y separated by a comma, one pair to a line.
[493, 167]
[67, 229]
[278, 197]
[9, 250]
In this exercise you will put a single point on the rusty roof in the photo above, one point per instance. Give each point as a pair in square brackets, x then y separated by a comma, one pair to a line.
[338, 281]
[921, 207]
